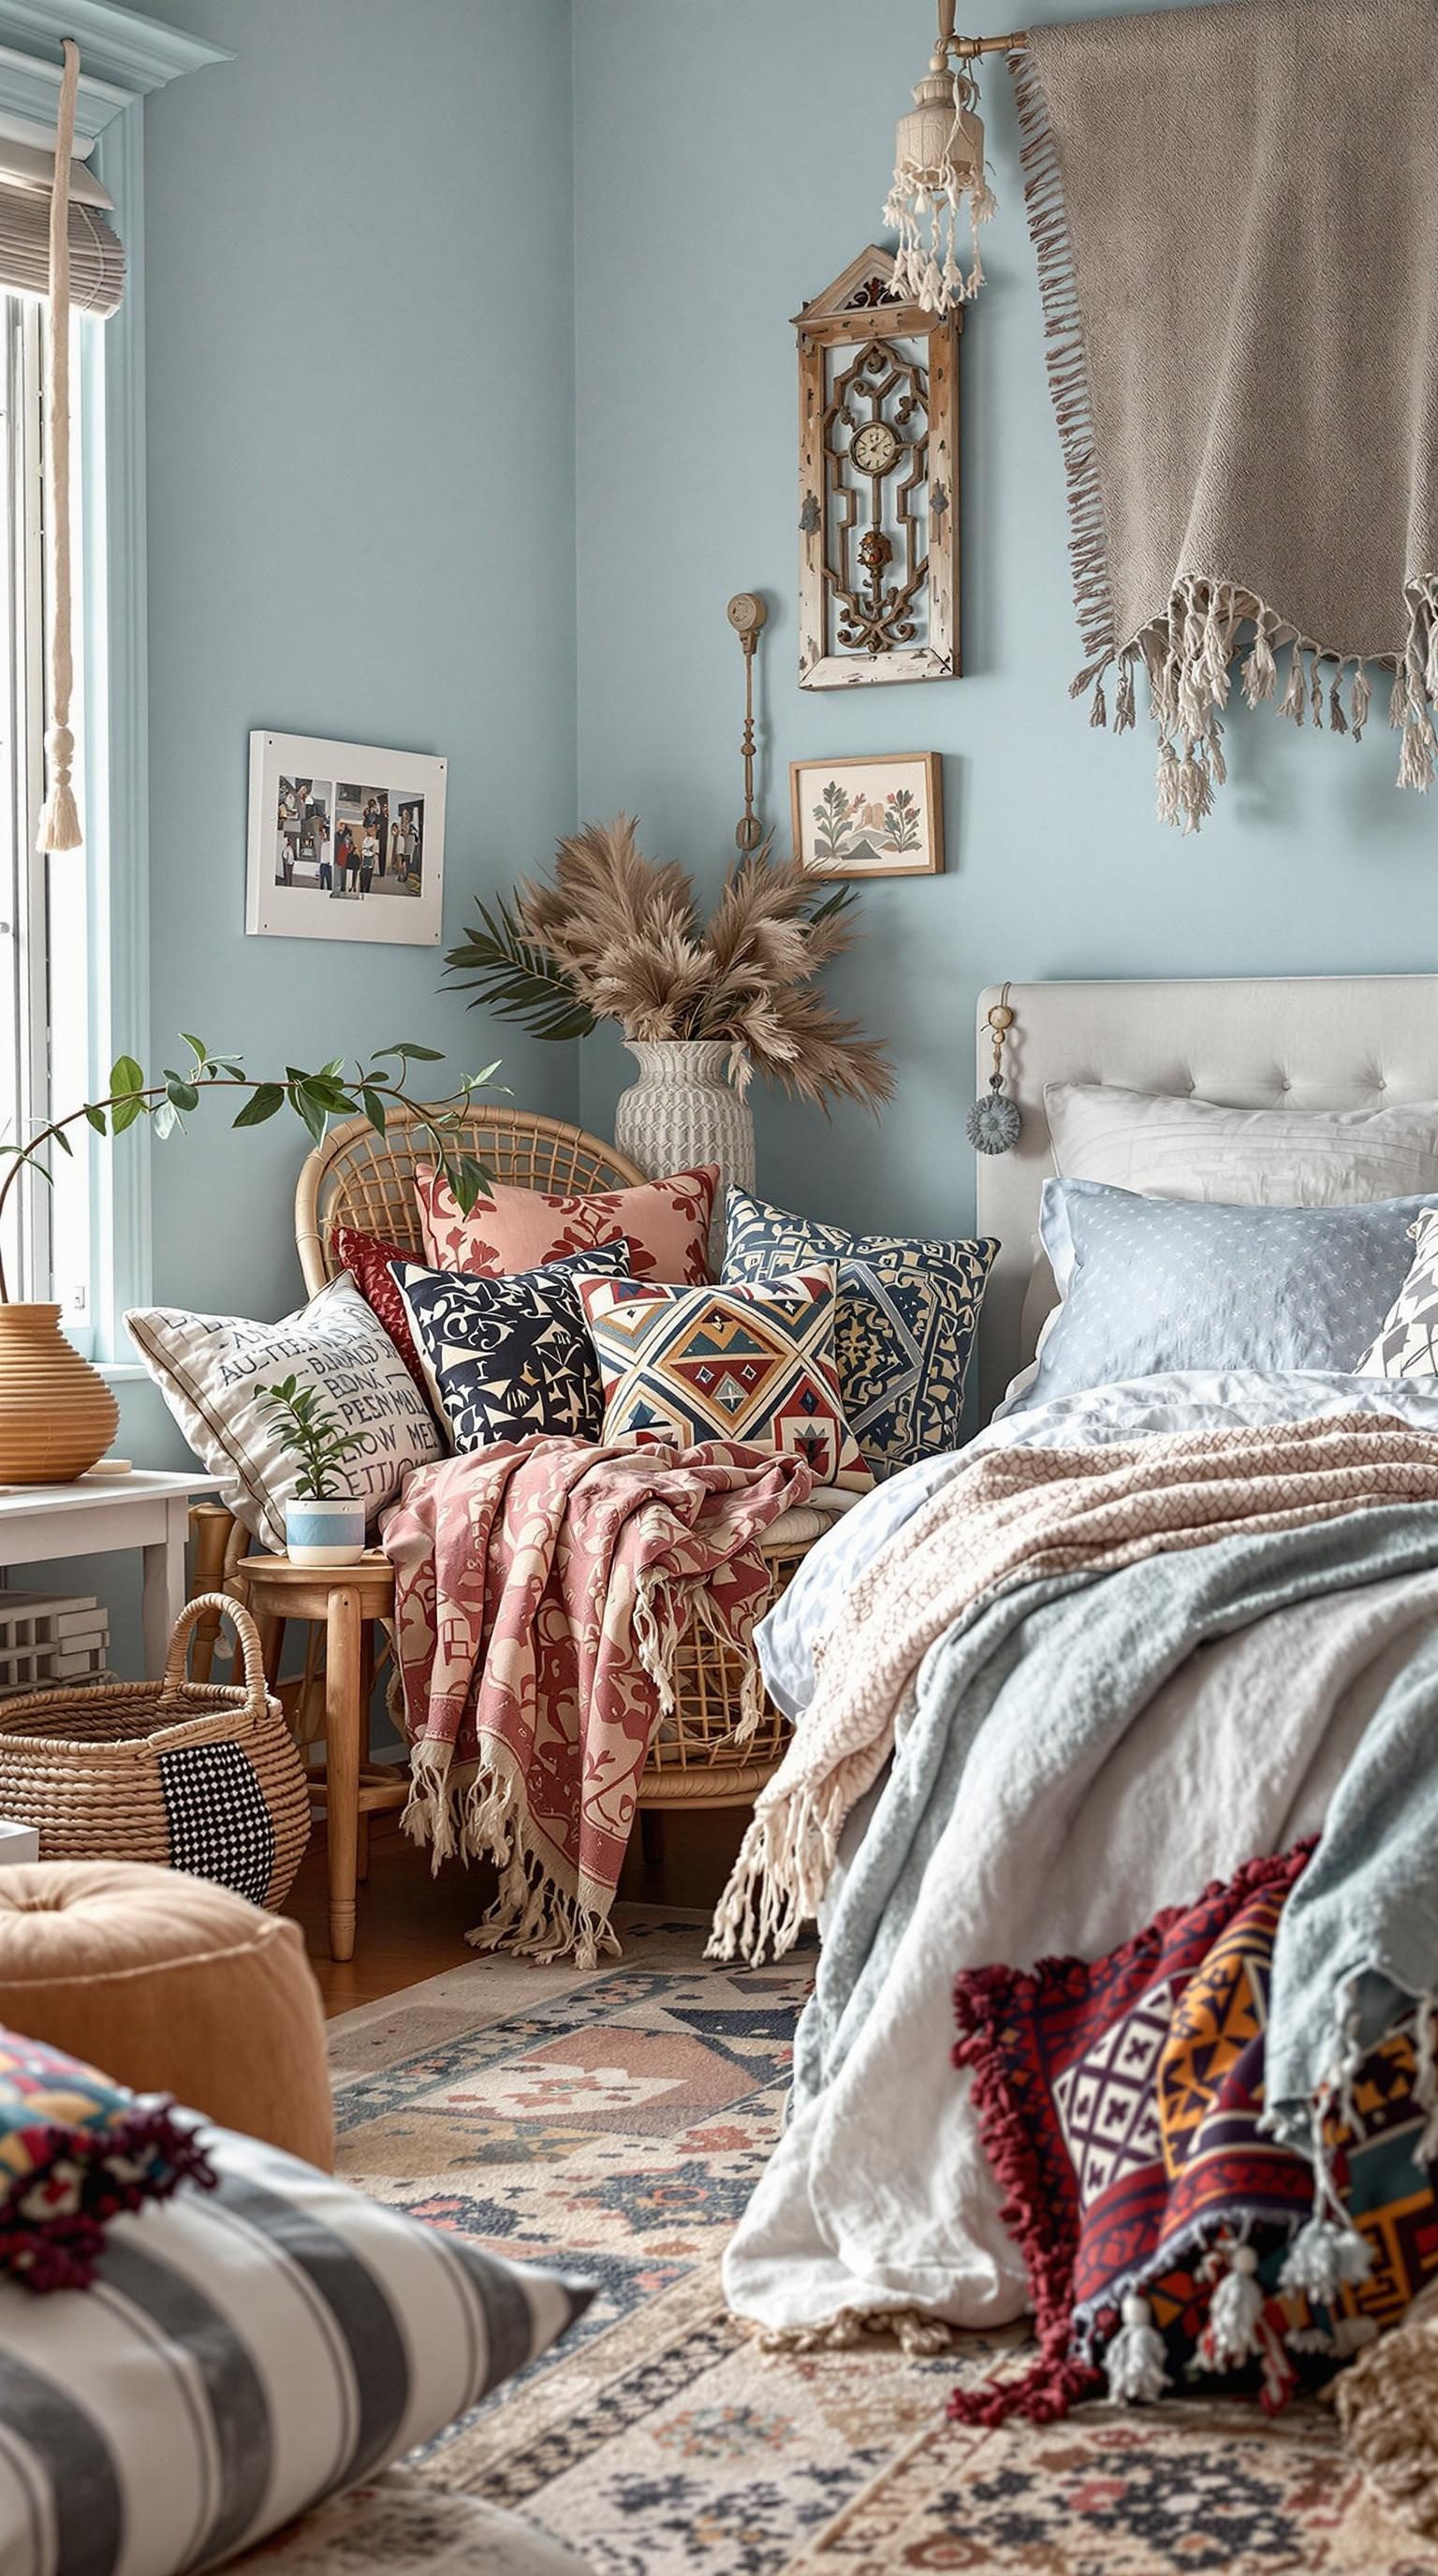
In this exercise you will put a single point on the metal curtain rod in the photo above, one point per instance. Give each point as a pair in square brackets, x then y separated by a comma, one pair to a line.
[968, 48]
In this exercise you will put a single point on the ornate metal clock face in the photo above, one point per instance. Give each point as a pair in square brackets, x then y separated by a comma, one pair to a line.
[875, 447]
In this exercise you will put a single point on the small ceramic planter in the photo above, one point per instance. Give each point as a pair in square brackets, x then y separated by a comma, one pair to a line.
[324, 1533]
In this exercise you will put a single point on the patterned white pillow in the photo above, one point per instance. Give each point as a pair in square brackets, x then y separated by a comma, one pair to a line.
[1407, 1340]
[244, 2353]
[212, 1370]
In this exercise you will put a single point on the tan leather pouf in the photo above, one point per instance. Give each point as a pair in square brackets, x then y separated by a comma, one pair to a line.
[171, 1985]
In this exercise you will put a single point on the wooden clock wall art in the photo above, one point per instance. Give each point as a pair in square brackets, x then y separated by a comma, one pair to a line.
[878, 484]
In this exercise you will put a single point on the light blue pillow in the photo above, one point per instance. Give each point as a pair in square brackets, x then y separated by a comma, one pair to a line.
[1157, 1284]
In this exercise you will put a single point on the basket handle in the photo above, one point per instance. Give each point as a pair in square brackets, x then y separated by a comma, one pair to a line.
[177, 1660]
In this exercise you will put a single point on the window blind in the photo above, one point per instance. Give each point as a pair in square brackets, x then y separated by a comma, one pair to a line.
[97, 258]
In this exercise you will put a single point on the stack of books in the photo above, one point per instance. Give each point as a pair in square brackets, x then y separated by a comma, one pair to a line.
[49, 1637]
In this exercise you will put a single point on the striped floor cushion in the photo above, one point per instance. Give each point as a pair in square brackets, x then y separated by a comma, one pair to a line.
[243, 2353]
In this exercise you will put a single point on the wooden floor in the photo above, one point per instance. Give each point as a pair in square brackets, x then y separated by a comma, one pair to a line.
[412, 1924]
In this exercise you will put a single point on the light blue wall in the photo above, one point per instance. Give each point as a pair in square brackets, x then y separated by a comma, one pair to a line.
[361, 524]
[730, 161]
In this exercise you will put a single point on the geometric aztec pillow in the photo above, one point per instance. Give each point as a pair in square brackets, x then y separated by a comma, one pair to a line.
[508, 1359]
[748, 1364]
[904, 1333]
[248, 2351]
[1406, 1344]
[664, 1225]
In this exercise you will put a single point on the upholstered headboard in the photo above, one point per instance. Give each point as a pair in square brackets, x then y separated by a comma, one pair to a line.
[1311, 1042]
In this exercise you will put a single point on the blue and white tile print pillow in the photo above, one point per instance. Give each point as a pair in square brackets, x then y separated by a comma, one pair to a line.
[1159, 1284]
[508, 1359]
[244, 2352]
[904, 1331]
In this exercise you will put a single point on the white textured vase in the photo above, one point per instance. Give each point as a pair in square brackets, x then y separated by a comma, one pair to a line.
[684, 1110]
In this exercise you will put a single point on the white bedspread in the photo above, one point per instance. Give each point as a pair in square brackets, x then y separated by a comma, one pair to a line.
[879, 2194]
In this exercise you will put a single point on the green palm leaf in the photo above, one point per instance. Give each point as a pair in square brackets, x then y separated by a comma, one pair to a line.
[514, 979]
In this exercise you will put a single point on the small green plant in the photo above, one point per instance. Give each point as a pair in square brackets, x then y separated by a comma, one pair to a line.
[319, 1440]
[370, 1092]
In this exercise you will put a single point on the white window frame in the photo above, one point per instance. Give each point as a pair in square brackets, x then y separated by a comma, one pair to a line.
[123, 57]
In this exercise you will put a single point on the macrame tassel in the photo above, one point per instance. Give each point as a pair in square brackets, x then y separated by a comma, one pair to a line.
[1195, 790]
[1230, 2336]
[1316, 693]
[1098, 713]
[1337, 720]
[1325, 2258]
[1294, 702]
[1168, 800]
[1360, 702]
[1260, 671]
[1135, 2362]
[1415, 769]
[60, 821]
[1125, 712]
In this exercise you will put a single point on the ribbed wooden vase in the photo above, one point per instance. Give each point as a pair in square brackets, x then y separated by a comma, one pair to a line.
[57, 1415]
[682, 1111]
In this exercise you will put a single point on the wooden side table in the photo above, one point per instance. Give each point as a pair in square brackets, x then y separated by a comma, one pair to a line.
[345, 1598]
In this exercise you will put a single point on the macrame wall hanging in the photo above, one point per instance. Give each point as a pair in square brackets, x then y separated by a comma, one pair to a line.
[938, 163]
[1242, 353]
[60, 820]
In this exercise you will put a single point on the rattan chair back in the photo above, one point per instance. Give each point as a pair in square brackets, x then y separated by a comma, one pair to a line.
[365, 1180]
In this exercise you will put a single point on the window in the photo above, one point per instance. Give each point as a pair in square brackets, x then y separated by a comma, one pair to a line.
[47, 994]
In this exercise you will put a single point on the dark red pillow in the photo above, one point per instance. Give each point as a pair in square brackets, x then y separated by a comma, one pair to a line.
[367, 1258]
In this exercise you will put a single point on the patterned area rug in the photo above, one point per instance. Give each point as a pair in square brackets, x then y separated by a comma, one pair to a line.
[616, 2120]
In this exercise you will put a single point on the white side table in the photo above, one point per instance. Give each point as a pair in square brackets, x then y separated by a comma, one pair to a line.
[146, 1509]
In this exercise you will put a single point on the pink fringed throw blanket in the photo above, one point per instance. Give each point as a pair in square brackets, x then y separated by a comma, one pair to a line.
[540, 1592]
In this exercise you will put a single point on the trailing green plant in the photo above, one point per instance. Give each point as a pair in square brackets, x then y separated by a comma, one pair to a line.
[618, 936]
[318, 1439]
[371, 1091]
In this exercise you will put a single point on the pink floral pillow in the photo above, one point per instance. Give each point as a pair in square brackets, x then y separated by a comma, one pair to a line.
[665, 1224]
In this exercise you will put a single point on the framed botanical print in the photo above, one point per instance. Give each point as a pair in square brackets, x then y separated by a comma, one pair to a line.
[345, 842]
[879, 814]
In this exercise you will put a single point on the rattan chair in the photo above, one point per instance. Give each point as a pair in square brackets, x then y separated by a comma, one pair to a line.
[362, 1179]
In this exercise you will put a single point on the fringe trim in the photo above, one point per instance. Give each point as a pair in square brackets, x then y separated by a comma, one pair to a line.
[784, 1865]
[479, 1812]
[918, 2335]
[100, 2173]
[1069, 382]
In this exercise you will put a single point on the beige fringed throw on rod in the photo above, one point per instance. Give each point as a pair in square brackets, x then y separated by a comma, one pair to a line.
[1235, 211]
[60, 821]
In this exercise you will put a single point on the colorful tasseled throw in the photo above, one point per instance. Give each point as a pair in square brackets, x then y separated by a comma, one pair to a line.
[1167, 2237]
[76, 2151]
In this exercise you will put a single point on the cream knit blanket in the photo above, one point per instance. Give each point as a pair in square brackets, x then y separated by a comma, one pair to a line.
[1015, 1516]
[1235, 211]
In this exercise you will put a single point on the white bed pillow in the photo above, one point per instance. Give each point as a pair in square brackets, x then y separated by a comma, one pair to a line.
[211, 1370]
[1194, 1149]
[243, 2354]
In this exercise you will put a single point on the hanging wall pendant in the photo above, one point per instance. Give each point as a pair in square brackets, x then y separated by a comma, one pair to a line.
[993, 1124]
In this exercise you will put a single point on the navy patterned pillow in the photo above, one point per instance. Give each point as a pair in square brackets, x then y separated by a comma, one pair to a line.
[904, 1332]
[509, 1359]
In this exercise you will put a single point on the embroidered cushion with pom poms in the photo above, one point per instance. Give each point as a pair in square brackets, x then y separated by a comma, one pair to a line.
[1168, 2239]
